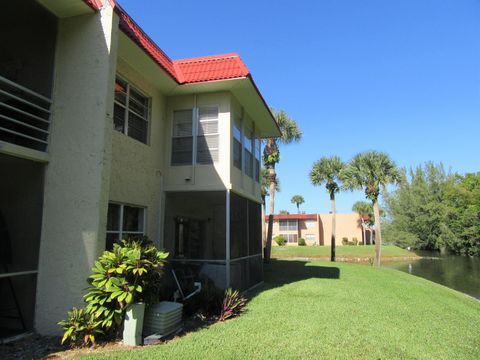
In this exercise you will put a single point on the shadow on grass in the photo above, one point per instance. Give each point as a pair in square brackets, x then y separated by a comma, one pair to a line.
[282, 272]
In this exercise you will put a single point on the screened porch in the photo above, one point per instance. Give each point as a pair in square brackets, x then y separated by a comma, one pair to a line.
[217, 235]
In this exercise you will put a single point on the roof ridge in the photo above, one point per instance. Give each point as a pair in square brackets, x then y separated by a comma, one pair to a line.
[207, 58]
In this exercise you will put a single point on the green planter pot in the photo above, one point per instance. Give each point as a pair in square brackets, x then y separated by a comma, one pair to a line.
[133, 325]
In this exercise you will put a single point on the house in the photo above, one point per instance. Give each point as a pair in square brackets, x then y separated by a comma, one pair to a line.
[103, 136]
[316, 229]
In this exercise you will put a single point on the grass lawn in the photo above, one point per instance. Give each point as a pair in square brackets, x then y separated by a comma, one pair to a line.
[359, 253]
[316, 310]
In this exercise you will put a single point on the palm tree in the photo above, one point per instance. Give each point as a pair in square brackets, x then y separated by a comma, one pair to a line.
[297, 200]
[365, 211]
[264, 185]
[372, 171]
[327, 170]
[289, 132]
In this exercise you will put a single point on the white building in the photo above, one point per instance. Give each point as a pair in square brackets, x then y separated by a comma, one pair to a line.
[102, 136]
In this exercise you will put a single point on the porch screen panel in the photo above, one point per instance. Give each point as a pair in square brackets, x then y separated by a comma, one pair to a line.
[238, 226]
[195, 225]
[254, 228]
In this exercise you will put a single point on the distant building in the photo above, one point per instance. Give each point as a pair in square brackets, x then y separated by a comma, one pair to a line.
[316, 229]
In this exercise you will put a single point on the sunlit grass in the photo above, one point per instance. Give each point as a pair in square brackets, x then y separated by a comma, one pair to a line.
[348, 252]
[320, 310]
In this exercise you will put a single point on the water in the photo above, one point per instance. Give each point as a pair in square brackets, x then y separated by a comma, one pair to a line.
[457, 272]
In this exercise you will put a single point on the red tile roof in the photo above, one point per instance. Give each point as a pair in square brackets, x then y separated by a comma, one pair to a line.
[184, 71]
[293, 217]
[138, 36]
[210, 68]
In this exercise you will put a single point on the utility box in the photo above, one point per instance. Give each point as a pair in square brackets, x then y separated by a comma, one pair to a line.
[163, 319]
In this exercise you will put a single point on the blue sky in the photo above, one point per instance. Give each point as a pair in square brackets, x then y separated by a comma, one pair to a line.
[397, 76]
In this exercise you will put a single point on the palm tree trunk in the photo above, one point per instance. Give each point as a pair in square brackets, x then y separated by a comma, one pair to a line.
[298, 208]
[378, 233]
[264, 228]
[334, 225]
[268, 247]
[364, 232]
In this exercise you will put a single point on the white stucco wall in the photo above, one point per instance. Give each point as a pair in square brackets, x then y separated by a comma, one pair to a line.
[77, 177]
[137, 168]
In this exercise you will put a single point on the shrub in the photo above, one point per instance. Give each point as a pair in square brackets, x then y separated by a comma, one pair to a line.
[208, 302]
[301, 242]
[233, 304]
[355, 241]
[280, 240]
[80, 328]
[344, 241]
[131, 272]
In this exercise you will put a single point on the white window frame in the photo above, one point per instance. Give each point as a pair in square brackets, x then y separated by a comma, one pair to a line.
[238, 119]
[257, 156]
[193, 136]
[251, 132]
[290, 238]
[120, 231]
[127, 109]
[195, 133]
[288, 226]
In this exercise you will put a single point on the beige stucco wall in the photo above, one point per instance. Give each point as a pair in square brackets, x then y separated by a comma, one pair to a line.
[77, 177]
[137, 168]
[347, 225]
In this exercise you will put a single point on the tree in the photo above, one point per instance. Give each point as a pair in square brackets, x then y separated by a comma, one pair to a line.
[365, 211]
[297, 200]
[284, 212]
[264, 185]
[289, 132]
[327, 171]
[372, 171]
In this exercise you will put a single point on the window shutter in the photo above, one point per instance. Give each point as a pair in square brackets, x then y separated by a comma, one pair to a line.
[208, 135]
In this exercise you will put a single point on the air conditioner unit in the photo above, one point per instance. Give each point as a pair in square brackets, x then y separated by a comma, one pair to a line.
[163, 319]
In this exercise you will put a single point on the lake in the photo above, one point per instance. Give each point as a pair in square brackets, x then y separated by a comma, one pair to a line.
[457, 272]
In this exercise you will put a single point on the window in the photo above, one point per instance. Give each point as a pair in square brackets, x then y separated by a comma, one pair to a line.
[258, 147]
[247, 143]
[310, 224]
[290, 238]
[124, 221]
[130, 111]
[208, 136]
[288, 225]
[237, 144]
[182, 137]
[310, 237]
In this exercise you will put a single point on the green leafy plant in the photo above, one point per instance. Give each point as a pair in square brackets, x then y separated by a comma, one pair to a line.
[344, 241]
[233, 304]
[355, 241]
[131, 272]
[80, 328]
[301, 242]
[280, 240]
